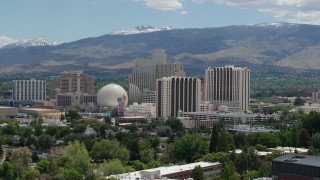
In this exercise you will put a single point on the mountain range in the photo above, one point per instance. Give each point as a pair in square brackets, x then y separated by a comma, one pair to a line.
[265, 45]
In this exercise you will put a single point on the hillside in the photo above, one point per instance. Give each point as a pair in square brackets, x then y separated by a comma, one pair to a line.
[275, 44]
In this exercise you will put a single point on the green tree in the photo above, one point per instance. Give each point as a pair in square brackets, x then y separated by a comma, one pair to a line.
[247, 160]
[268, 139]
[77, 159]
[214, 139]
[31, 174]
[112, 167]
[229, 172]
[8, 170]
[221, 157]
[43, 166]
[147, 155]
[299, 101]
[176, 125]
[265, 169]
[73, 115]
[21, 157]
[304, 138]
[197, 173]
[68, 174]
[311, 122]
[110, 149]
[315, 140]
[45, 141]
[189, 148]
[223, 142]
[251, 175]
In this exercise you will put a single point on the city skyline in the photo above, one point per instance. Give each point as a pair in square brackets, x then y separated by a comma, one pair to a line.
[66, 21]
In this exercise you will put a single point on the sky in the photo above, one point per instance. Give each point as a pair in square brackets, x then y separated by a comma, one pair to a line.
[69, 20]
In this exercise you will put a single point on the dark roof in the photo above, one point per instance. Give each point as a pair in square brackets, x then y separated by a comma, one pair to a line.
[301, 159]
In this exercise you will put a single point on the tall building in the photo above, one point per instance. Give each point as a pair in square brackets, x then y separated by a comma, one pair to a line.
[177, 94]
[228, 86]
[146, 71]
[77, 81]
[29, 90]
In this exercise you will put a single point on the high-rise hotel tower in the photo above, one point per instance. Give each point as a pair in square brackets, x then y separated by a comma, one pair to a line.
[177, 94]
[29, 89]
[228, 86]
[142, 80]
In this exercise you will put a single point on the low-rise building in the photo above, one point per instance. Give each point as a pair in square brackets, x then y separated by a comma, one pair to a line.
[6, 112]
[236, 117]
[211, 170]
[307, 108]
[147, 110]
[296, 166]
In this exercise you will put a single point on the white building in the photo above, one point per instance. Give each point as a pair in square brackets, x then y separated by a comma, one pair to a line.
[29, 90]
[211, 170]
[307, 108]
[177, 94]
[147, 110]
[228, 86]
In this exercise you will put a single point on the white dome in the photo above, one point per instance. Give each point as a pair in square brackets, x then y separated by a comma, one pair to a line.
[110, 96]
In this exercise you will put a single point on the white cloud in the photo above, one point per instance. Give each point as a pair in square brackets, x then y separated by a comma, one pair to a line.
[295, 11]
[184, 12]
[165, 5]
[199, 1]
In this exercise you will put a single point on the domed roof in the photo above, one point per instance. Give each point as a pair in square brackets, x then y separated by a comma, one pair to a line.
[111, 95]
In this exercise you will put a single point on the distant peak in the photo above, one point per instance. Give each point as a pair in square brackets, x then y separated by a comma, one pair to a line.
[142, 29]
[274, 24]
[39, 41]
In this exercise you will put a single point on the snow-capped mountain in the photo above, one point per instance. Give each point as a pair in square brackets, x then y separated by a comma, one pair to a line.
[274, 24]
[31, 43]
[5, 41]
[142, 29]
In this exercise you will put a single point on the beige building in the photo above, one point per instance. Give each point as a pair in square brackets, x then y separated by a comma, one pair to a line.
[73, 81]
[228, 86]
[74, 99]
[146, 71]
[147, 110]
[6, 112]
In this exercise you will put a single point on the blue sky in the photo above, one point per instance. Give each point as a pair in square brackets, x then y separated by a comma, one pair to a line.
[68, 20]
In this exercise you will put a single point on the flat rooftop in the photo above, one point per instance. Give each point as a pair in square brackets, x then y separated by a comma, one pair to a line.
[300, 159]
[165, 170]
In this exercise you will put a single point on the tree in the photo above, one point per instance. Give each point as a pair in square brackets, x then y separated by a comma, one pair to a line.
[299, 101]
[311, 122]
[35, 158]
[112, 167]
[43, 166]
[247, 160]
[304, 138]
[189, 148]
[76, 161]
[21, 157]
[197, 173]
[214, 139]
[268, 139]
[147, 155]
[8, 170]
[265, 169]
[31, 174]
[176, 125]
[229, 172]
[315, 140]
[72, 115]
[45, 141]
[68, 174]
[221, 157]
[110, 149]
[223, 142]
